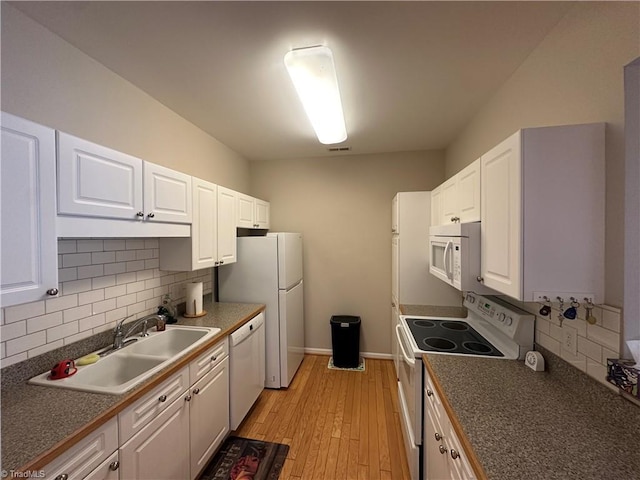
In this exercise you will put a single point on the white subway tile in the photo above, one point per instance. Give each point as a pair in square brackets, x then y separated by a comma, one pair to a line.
[76, 313]
[597, 371]
[144, 275]
[13, 330]
[115, 244]
[611, 320]
[126, 300]
[24, 311]
[135, 287]
[604, 337]
[151, 243]
[76, 259]
[91, 322]
[3, 352]
[116, 291]
[125, 278]
[66, 246]
[152, 263]
[115, 268]
[180, 277]
[103, 282]
[62, 331]
[549, 343]
[166, 280]
[125, 256]
[91, 297]
[77, 337]
[103, 257]
[135, 266]
[26, 342]
[136, 308]
[555, 332]
[59, 262]
[160, 291]
[144, 254]
[1, 316]
[115, 315]
[90, 246]
[67, 274]
[62, 303]
[100, 329]
[14, 359]
[579, 361]
[43, 322]
[47, 347]
[152, 283]
[145, 295]
[606, 354]
[90, 271]
[156, 253]
[104, 306]
[76, 286]
[590, 349]
[135, 244]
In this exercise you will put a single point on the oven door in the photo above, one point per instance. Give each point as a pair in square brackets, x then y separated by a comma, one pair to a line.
[410, 399]
[441, 258]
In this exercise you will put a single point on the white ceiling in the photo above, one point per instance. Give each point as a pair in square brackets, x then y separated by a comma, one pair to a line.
[412, 74]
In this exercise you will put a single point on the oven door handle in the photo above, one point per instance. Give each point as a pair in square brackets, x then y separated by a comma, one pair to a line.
[448, 251]
[407, 358]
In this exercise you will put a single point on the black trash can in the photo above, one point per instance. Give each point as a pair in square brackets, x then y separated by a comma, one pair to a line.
[345, 341]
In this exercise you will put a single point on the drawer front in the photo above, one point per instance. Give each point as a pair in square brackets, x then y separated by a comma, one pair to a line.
[107, 470]
[140, 413]
[208, 360]
[86, 455]
[432, 396]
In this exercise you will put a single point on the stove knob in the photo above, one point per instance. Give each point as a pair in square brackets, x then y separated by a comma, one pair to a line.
[508, 321]
[471, 299]
[501, 317]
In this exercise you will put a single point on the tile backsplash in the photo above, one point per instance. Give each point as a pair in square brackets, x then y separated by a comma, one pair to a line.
[594, 343]
[100, 282]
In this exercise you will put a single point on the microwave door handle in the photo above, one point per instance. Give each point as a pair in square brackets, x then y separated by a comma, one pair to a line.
[407, 358]
[448, 251]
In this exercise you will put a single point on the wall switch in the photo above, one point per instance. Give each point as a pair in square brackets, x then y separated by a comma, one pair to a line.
[570, 340]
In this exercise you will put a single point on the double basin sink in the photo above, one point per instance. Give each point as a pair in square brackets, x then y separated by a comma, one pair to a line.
[128, 367]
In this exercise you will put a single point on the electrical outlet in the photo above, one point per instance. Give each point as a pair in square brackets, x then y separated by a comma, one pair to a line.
[570, 340]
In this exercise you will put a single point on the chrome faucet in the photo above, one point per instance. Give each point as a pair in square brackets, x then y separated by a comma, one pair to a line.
[119, 335]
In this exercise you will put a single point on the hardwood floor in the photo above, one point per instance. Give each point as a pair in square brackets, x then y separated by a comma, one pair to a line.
[339, 424]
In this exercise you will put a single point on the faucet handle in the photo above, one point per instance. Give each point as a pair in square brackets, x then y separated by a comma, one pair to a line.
[118, 328]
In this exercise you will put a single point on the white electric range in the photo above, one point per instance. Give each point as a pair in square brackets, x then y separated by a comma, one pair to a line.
[492, 328]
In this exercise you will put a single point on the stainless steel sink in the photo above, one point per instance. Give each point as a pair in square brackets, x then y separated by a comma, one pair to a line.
[123, 369]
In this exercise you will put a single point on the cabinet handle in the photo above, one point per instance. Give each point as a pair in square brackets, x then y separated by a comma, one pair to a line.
[63, 476]
[140, 214]
[429, 393]
[196, 391]
[151, 215]
[221, 262]
[188, 398]
[454, 454]
[214, 358]
[163, 398]
[393, 304]
[442, 449]
[455, 219]
[480, 279]
[114, 465]
[217, 263]
[438, 436]
[53, 292]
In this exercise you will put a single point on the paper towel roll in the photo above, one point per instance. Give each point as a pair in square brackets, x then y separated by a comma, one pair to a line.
[194, 298]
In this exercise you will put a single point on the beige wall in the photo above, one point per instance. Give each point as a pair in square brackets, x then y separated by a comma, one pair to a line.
[46, 80]
[574, 76]
[342, 205]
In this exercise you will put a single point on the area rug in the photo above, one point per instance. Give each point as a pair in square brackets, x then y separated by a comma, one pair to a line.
[246, 459]
[359, 368]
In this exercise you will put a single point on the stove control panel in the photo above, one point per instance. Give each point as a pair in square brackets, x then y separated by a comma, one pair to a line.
[509, 319]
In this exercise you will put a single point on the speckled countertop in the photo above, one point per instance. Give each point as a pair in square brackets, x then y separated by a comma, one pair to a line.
[558, 424]
[38, 420]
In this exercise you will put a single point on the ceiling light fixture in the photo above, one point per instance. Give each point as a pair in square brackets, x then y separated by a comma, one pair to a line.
[314, 76]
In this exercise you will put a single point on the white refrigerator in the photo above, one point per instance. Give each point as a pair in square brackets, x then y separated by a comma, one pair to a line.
[269, 271]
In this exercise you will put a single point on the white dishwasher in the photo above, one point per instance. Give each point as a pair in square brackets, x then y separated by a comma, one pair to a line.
[246, 358]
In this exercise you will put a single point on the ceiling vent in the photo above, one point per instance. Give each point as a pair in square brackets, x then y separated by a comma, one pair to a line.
[339, 149]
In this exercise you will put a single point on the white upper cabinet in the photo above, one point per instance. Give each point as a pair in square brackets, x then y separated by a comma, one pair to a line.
[28, 213]
[97, 181]
[167, 194]
[542, 230]
[458, 199]
[252, 212]
[227, 246]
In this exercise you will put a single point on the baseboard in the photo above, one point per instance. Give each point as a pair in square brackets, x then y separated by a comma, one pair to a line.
[329, 352]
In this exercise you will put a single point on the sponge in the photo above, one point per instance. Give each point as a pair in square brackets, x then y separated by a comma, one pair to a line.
[88, 359]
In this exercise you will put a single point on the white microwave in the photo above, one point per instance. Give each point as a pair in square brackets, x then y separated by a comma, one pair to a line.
[454, 256]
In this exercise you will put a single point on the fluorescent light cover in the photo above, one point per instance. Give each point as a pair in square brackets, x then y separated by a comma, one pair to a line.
[314, 76]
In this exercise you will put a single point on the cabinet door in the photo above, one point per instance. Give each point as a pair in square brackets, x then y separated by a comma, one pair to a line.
[107, 470]
[435, 463]
[204, 230]
[29, 255]
[468, 193]
[226, 225]
[458, 464]
[167, 194]
[262, 211]
[436, 206]
[160, 451]
[245, 211]
[449, 202]
[501, 214]
[209, 415]
[395, 261]
[97, 181]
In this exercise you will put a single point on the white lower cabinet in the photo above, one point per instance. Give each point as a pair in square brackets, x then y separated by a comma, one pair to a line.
[443, 455]
[86, 458]
[107, 470]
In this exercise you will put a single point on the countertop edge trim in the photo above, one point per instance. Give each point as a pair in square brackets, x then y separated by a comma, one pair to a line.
[46, 457]
[457, 427]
